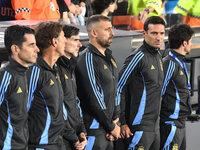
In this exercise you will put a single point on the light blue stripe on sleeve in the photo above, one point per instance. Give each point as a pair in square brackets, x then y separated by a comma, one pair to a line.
[91, 75]
[79, 106]
[177, 105]
[136, 138]
[64, 112]
[9, 134]
[141, 108]
[44, 137]
[4, 85]
[126, 74]
[33, 84]
[90, 143]
[168, 76]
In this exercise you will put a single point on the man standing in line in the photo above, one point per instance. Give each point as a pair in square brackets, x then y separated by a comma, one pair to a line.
[140, 81]
[66, 65]
[96, 75]
[21, 48]
[175, 92]
[46, 121]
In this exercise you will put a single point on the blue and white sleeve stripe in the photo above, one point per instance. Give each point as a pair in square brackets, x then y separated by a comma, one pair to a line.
[168, 76]
[4, 85]
[126, 74]
[91, 75]
[33, 83]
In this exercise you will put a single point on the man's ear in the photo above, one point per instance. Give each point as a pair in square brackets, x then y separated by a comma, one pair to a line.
[15, 49]
[144, 33]
[94, 33]
[184, 43]
[54, 42]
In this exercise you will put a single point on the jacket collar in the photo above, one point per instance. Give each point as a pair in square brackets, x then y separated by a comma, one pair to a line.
[43, 64]
[92, 48]
[151, 49]
[17, 66]
[68, 63]
[178, 55]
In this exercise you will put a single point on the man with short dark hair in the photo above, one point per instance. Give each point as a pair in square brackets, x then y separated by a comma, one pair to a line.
[176, 104]
[96, 75]
[139, 89]
[66, 65]
[46, 122]
[21, 48]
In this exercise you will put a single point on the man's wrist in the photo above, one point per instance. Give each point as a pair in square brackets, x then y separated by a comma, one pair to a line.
[147, 10]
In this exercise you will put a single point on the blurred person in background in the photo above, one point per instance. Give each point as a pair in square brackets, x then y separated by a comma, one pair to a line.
[37, 10]
[6, 10]
[104, 7]
[142, 9]
[189, 12]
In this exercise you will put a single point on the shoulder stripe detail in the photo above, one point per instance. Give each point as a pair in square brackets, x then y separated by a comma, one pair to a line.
[168, 76]
[9, 134]
[91, 75]
[33, 84]
[4, 85]
[127, 72]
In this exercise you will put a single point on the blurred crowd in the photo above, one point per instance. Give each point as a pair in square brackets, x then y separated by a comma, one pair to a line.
[126, 14]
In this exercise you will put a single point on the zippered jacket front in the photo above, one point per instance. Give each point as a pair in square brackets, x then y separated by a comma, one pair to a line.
[13, 106]
[139, 89]
[96, 77]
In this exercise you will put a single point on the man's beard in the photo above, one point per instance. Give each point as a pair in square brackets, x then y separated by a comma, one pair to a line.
[106, 43]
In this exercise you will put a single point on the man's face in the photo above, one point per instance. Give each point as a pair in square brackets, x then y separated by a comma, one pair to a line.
[72, 46]
[155, 35]
[61, 44]
[28, 51]
[188, 47]
[104, 34]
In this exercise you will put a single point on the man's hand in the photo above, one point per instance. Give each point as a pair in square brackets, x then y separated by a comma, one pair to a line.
[125, 132]
[82, 142]
[143, 15]
[110, 137]
[116, 131]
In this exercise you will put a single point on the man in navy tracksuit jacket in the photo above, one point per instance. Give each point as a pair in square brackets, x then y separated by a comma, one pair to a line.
[139, 89]
[46, 109]
[175, 92]
[21, 48]
[66, 65]
[96, 76]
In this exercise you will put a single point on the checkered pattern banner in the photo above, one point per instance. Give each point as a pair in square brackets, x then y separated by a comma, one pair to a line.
[22, 9]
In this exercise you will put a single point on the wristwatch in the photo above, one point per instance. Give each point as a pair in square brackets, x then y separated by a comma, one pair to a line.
[147, 10]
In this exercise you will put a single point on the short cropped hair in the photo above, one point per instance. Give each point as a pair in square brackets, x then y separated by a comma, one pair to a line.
[153, 20]
[45, 32]
[70, 31]
[15, 35]
[101, 5]
[178, 34]
[95, 19]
